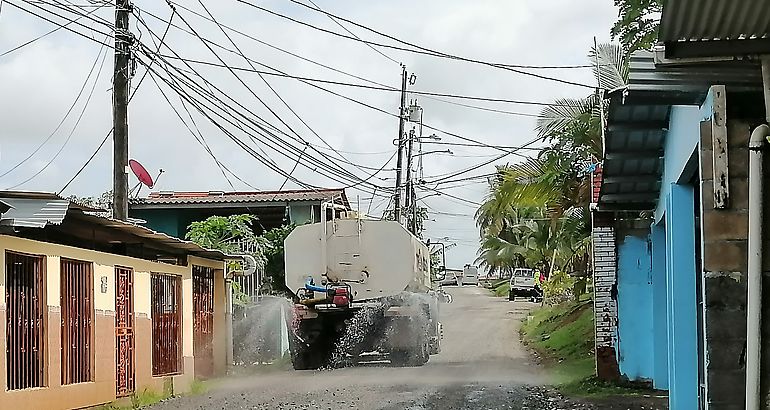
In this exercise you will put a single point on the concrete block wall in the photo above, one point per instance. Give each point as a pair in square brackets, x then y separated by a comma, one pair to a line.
[605, 296]
[724, 243]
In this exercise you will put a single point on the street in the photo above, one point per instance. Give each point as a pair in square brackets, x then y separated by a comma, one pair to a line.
[482, 366]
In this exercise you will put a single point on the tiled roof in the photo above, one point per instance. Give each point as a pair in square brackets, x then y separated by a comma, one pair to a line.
[171, 198]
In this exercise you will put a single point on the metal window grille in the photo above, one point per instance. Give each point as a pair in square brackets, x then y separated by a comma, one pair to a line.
[203, 320]
[25, 303]
[76, 321]
[124, 331]
[166, 324]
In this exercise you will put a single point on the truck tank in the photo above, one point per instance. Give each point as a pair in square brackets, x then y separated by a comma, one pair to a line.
[362, 289]
[375, 258]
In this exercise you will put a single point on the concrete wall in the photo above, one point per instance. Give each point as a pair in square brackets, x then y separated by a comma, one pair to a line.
[102, 388]
[724, 233]
[605, 288]
[634, 301]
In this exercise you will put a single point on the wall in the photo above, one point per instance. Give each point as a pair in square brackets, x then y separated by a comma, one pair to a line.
[161, 220]
[605, 307]
[634, 301]
[102, 389]
[724, 233]
[679, 145]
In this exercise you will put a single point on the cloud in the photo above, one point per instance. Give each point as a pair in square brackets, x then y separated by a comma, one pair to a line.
[40, 81]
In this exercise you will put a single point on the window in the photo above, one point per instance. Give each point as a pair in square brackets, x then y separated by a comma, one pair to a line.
[166, 324]
[76, 321]
[25, 310]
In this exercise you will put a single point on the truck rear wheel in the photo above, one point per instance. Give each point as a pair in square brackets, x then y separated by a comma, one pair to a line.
[511, 295]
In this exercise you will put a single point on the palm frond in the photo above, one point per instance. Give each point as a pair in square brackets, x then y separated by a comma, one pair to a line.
[612, 72]
[557, 118]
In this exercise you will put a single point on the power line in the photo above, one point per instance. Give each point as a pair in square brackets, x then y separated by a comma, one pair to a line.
[325, 66]
[74, 127]
[26, 43]
[64, 118]
[345, 175]
[354, 35]
[420, 50]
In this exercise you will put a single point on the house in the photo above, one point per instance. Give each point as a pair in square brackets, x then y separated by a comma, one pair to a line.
[94, 309]
[671, 221]
[172, 212]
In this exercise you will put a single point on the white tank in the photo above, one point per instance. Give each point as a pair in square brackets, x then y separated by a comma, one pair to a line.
[376, 258]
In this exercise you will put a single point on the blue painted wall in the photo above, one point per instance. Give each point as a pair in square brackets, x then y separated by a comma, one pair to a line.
[682, 308]
[680, 143]
[659, 306]
[635, 308]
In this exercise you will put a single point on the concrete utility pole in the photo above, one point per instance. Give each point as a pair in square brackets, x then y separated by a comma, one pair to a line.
[412, 227]
[400, 160]
[120, 91]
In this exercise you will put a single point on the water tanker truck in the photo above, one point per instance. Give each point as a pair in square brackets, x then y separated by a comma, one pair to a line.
[362, 291]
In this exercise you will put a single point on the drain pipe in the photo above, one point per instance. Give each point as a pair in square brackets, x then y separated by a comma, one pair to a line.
[754, 299]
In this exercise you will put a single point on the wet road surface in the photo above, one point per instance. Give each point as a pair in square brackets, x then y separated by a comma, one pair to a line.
[482, 366]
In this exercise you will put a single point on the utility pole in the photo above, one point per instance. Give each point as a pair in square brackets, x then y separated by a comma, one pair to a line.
[409, 182]
[400, 160]
[120, 91]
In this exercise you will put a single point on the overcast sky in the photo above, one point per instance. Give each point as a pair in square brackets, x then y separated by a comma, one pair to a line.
[39, 82]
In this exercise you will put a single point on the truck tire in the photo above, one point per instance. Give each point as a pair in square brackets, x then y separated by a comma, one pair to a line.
[511, 295]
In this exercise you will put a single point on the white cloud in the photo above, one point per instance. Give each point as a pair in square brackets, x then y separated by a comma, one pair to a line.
[38, 82]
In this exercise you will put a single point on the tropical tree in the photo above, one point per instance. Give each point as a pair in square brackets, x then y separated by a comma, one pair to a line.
[637, 25]
[536, 212]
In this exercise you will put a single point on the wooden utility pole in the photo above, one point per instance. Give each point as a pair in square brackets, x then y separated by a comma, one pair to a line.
[120, 91]
[400, 160]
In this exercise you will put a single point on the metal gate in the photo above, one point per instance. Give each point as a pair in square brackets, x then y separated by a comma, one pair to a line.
[166, 324]
[25, 352]
[124, 331]
[77, 321]
[203, 320]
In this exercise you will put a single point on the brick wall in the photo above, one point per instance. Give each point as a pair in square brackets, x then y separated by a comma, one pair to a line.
[605, 293]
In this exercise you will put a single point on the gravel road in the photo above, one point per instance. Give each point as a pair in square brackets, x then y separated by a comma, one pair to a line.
[482, 366]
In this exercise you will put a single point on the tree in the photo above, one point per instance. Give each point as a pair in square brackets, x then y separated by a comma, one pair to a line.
[275, 267]
[221, 232]
[536, 212]
[637, 25]
[103, 201]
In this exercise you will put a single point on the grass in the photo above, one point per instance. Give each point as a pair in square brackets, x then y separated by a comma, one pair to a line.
[137, 400]
[501, 289]
[563, 335]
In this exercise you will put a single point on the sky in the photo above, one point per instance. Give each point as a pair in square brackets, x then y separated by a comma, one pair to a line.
[40, 81]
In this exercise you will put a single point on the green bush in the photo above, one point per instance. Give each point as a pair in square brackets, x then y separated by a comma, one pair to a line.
[558, 288]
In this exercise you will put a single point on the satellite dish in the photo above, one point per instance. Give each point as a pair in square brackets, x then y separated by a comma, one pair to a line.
[141, 173]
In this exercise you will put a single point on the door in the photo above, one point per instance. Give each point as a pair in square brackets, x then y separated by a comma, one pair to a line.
[124, 331]
[203, 321]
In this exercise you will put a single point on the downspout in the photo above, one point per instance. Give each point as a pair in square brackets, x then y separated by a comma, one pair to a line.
[754, 299]
[324, 206]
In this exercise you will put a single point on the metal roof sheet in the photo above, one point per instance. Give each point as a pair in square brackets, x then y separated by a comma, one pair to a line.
[699, 20]
[38, 210]
[34, 213]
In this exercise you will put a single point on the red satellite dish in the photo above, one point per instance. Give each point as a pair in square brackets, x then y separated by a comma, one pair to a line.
[141, 173]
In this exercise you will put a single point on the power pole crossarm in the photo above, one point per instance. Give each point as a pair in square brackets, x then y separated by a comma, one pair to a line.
[120, 91]
[400, 159]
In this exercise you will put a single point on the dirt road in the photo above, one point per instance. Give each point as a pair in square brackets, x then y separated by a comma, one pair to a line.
[482, 366]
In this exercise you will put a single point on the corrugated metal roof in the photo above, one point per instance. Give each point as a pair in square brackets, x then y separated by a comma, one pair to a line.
[698, 20]
[34, 213]
[171, 198]
[38, 210]
[649, 83]
[153, 236]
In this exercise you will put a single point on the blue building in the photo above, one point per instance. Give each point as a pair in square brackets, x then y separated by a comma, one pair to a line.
[670, 226]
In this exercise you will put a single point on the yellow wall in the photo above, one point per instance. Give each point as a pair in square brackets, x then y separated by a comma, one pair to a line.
[103, 388]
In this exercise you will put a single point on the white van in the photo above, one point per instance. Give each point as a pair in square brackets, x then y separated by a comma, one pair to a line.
[470, 275]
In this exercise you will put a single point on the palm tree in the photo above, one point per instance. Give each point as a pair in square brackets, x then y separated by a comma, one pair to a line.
[556, 183]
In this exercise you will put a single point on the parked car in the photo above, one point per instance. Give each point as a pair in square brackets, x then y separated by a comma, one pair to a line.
[524, 283]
